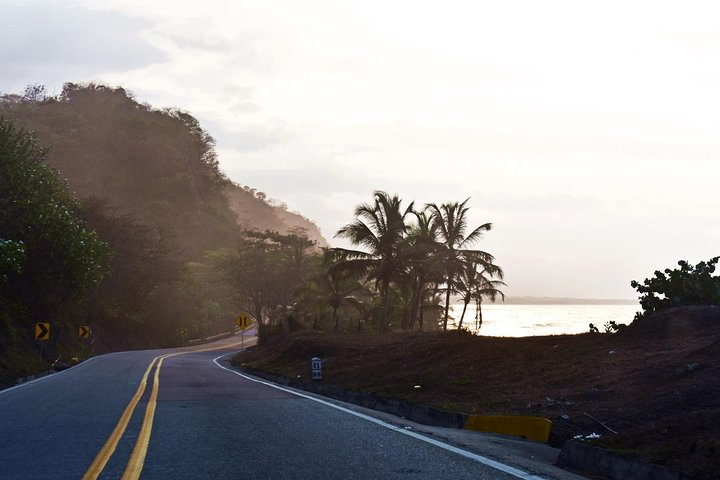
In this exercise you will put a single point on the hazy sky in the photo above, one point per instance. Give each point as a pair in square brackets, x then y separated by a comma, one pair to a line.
[588, 133]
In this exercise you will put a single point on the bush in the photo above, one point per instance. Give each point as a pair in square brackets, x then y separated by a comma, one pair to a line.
[687, 285]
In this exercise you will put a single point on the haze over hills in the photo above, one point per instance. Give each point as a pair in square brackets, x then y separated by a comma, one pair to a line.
[157, 165]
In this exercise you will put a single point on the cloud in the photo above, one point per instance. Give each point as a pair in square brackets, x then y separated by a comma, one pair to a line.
[247, 138]
[53, 44]
[324, 179]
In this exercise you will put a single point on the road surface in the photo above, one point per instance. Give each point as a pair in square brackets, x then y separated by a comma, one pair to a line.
[192, 418]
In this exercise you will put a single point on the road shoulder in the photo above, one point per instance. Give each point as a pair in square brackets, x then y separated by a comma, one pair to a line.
[535, 458]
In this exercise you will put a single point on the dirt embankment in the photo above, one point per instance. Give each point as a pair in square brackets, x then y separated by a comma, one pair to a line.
[651, 391]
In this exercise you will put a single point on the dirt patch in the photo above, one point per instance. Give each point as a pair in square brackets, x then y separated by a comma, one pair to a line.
[657, 383]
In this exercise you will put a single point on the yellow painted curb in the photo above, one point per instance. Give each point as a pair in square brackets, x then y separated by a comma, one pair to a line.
[531, 428]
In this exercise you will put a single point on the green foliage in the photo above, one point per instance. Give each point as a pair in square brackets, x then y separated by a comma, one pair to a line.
[687, 285]
[12, 255]
[49, 259]
[62, 257]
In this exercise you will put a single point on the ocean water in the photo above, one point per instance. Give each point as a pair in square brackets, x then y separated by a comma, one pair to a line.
[500, 320]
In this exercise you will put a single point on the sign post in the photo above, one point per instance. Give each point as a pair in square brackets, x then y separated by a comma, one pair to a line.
[243, 322]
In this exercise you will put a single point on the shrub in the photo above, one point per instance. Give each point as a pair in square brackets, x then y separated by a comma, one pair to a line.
[686, 285]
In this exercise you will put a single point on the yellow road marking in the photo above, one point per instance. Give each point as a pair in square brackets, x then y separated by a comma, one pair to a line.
[137, 458]
[111, 444]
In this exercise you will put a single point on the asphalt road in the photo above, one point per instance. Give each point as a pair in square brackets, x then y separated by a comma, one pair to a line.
[203, 421]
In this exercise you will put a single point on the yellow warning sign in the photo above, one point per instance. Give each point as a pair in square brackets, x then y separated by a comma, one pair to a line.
[42, 331]
[243, 321]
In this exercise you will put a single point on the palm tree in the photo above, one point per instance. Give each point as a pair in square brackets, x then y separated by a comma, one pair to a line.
[334, 290]
[421, 270]
[380, 228]
[450, 219]
[432, 304]
[474, 282]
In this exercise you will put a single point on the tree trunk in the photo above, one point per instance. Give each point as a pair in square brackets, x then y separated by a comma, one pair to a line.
[336, 318]
[447, 306]
[404, 320]
[413, 310]
[478, 315]
[384, 325]
[417, 301]
[466, 300]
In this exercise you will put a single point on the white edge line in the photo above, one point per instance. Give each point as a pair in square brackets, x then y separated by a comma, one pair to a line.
[470, 455]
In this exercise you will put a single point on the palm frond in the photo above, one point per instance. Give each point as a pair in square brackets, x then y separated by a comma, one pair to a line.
[475, 235]
[360, 233]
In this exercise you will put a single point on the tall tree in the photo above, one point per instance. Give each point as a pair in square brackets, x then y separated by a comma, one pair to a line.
[475, 282]
[266, 270]
[380, 227]
[131, 300]
[49, 259]
[450, 220]
[421, 268]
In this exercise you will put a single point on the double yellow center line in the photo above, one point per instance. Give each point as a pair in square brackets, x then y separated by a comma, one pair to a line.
[137, 458]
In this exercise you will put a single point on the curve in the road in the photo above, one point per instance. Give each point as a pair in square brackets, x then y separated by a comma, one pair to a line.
[137, 458]
[68, 420]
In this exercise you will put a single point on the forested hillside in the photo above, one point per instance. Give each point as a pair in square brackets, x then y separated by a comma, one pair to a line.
[111, 210]
[159, 166]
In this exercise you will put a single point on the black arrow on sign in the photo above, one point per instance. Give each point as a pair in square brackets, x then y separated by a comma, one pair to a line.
[42, 332]
[84, 331]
